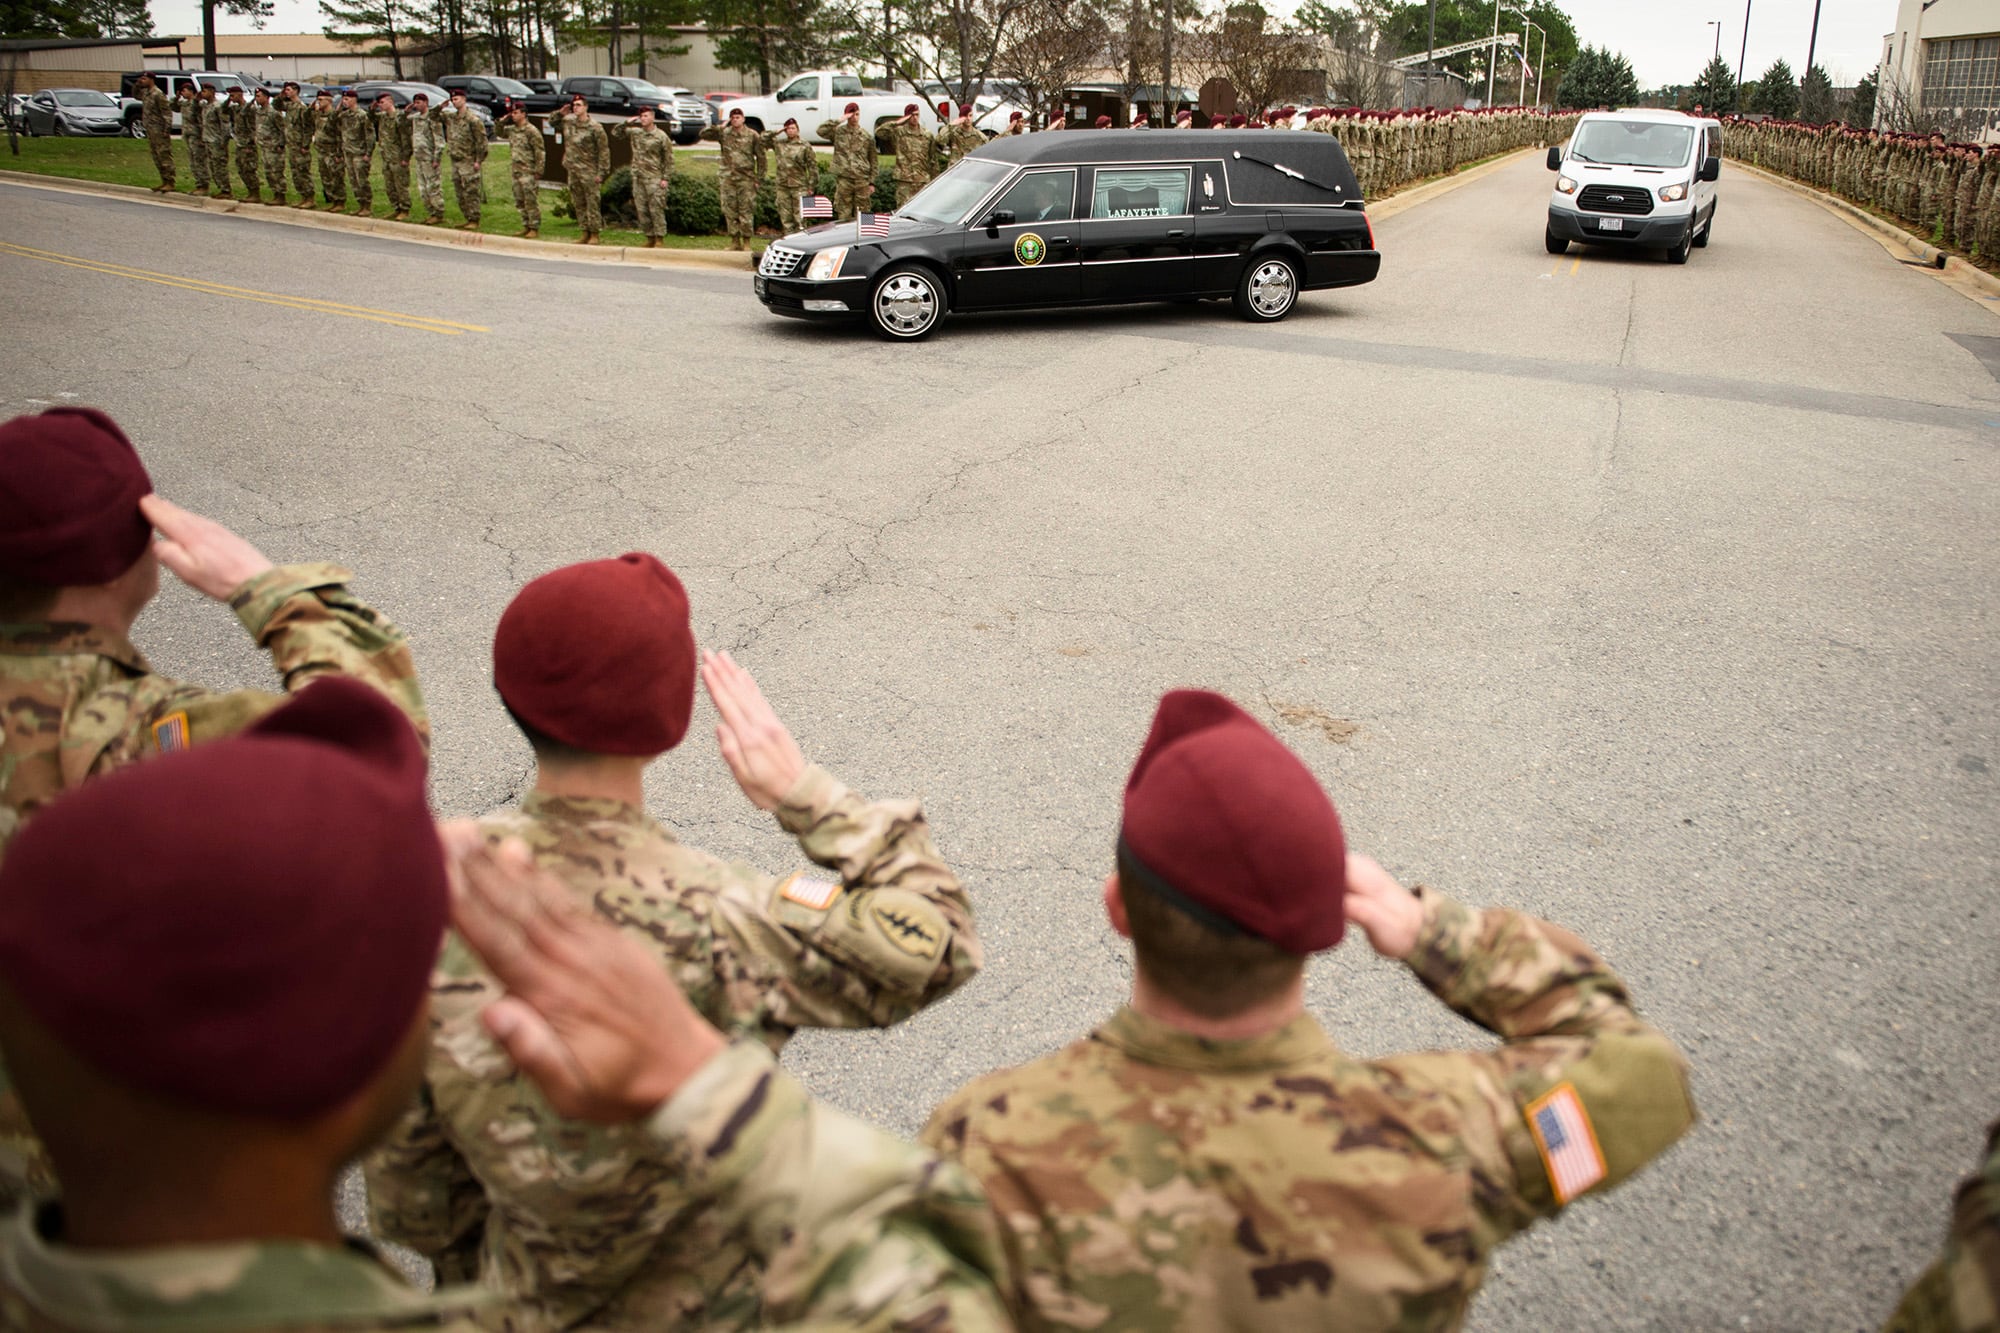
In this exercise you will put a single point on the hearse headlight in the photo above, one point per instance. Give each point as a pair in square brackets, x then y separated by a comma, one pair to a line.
[1673, 194]
[826, 264]
[1564, 185]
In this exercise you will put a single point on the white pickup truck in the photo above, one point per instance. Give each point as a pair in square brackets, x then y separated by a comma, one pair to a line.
[820, 95]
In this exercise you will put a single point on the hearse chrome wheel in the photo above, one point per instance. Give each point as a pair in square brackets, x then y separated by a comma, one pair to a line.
[1269, 291]
[907, 303]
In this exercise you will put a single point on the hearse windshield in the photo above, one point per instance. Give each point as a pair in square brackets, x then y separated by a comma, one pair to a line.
[952, 195]
[1632, 143]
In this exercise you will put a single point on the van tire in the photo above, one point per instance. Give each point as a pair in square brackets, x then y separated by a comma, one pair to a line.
[1679, 254]
[1555, 244]
[1269, 288]
[1701, 241]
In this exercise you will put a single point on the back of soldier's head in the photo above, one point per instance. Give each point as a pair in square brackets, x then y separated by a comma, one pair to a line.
[70, 486]
[228, 946]
[1231, 863]
[598, 658]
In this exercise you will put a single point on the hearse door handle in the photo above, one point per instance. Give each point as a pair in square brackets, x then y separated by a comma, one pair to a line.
[1058, 240]
[1178, 231]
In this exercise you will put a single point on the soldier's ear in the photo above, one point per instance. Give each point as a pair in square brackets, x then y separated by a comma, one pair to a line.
[1114, 906]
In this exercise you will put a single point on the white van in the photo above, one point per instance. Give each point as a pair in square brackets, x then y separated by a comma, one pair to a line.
[1636, 178]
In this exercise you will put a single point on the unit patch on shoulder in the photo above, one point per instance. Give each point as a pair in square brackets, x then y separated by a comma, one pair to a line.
[914, 932]
[170, 733]
[1566, 1140]
[817, 894]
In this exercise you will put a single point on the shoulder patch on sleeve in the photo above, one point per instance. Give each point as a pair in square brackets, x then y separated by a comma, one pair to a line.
[817, 894]
[914, 927]
[170, 733]
[1566, 1140]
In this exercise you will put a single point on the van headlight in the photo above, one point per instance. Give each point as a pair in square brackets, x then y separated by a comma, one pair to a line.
[1673, 194]
[1564, 185]
[826, 264]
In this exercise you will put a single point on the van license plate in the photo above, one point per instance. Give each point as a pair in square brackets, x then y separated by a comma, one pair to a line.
[1611, 224]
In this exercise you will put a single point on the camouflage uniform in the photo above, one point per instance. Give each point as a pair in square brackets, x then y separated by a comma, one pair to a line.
[526, 154]
[394, 136]
[325, 125]
[482, 1180]
[742, 164]
[190, 108]
[586, 157]
[914, 150]
[267, 127]
[243, 128]
[81, 701]
[215, 139]
[1960, 1293]
[159, 120]
[853, 167]
[465, 136]
[652, 164]
[427, 152]
[955, 143]
[1148, 1178]
[357, 152]
[299, 148]
[796, 170]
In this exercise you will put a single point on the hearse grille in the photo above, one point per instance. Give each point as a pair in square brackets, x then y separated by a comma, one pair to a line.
[780, 261]
[1631, 200]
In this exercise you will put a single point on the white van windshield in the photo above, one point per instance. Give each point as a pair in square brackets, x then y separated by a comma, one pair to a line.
[1632, 143]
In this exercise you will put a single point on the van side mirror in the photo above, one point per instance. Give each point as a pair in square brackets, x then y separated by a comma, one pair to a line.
[999, 217]
[1711, 168]
[1555, 157]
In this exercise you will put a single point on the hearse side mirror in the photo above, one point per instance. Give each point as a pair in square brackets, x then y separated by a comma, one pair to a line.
[998, 218]
[1711, 168]
[1555, 157]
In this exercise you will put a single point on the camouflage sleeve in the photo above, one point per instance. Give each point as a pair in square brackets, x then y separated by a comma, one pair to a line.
[1582, 1094]
[712, 133]
[1960, 1293]
[858, 1230]
[826, 129]
[312, 626]
[422, 1195]
[894, 933]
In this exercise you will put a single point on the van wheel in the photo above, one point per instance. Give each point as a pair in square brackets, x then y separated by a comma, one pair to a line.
[1269, 289]
[1679, 254]
[907, 303]
[1701, 241]
[1554, 244]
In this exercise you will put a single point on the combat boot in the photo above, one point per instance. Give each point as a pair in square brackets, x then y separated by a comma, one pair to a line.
[531, 234]
[468, 226]
[652, 242]
[163, 189]
[400, 215]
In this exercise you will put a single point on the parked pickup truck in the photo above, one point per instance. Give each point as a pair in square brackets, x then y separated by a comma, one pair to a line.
[820, 95]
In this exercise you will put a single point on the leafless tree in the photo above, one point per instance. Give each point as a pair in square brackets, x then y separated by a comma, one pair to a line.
[1051, 45]
[1265, 59]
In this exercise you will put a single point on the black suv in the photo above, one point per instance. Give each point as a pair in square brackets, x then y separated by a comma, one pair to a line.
[1092, 217]
[677, 111]
[492, 92]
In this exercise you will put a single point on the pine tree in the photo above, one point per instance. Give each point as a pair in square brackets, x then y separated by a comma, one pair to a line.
[1582, 80]
[1816, 99]
[1715, 90]
[1777, 92]
[1861, 106]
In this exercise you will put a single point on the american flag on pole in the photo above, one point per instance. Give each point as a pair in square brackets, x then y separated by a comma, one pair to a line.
[815, 206]
[875, 225]
[1567, 1142]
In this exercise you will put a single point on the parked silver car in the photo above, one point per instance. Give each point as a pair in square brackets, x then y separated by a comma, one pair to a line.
[73, 111]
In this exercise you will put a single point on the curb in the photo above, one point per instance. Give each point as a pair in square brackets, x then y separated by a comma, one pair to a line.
[1404, 200]
[1967, 279]
[412, 233]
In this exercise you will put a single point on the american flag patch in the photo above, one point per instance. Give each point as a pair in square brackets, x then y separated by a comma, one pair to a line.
[873, 224]
[817, 894]
[170, 733]
[1567, 1142]
[815, 206]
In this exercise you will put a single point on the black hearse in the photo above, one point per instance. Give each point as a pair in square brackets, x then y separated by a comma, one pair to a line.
[1091, 217]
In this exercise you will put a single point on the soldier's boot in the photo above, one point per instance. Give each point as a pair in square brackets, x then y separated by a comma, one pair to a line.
[532, 234]
[468, 226]
[218, 193]
[652, 242]
[163, 189]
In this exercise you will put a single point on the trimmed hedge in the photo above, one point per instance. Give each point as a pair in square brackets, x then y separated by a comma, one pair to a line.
[694, 205]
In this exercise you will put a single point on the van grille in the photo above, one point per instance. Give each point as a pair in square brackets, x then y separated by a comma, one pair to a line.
[1630, 200]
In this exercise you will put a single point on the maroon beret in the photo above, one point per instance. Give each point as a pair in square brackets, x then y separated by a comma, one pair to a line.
[247, 927]
[1104, 122]
[911, 109]
[1237, 122]
[965, 108]
[854, 108]
[789, 120]
[70, 486]
[600, 656]
[1225, 823]
[1017, 115]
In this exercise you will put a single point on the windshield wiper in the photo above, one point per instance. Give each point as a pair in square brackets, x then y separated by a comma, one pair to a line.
[1581, 158]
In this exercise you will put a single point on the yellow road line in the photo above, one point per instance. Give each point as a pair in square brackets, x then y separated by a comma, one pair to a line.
[204, 287]
[1576, 267]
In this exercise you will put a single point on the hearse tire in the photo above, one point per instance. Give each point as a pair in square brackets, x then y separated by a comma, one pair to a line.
[907, 303]
[1269, 288]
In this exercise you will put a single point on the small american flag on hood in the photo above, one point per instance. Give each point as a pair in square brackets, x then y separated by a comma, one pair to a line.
[874, 225]
[815, 206]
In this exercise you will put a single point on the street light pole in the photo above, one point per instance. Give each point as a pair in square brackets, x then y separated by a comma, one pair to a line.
[1745, 51]
[1717, 25]
[1429, 65]
[1493, 54]
[1813, 44]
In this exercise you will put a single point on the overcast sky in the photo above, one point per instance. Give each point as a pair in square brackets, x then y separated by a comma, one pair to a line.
[1668, 41]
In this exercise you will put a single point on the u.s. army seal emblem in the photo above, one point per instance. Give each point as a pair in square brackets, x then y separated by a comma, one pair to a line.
[1030, 249]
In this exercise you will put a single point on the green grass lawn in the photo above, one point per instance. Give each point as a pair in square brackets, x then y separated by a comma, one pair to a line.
[128, 162]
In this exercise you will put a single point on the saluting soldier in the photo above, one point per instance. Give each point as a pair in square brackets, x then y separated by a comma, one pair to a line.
[526, 155]
[324, 122]
[586, 157]
[357, 151]
[243, 119]
[215, 117]
[1209, 1159]
[1017, 123]
[427, 155]
[652, 167]
[795, 170]
[914, 150]
[956, 140]
[853, 163]
[742, 152]
[267, 126]
[157, 114]
[465, 136]
[189, 104]
[298, 142]
[392, 136]
[596, 663]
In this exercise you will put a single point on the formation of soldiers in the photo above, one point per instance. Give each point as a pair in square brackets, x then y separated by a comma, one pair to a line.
[282, 137]
[1942, 191]
[225, 973]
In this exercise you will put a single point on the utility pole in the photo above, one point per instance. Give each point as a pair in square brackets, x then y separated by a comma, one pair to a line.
[1433, 39]
[1717, 25]
[1493, 54]
[1812, 45]
[1745, 51]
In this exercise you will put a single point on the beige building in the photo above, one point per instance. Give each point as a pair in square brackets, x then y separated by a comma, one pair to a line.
[1942, 64]
[33, 64]
[307, 57]
[696, 69]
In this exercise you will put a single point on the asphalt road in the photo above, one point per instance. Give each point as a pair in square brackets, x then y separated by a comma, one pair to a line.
[1659, 601]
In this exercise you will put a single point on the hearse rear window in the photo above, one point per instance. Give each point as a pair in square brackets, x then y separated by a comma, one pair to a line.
[1140, 192]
